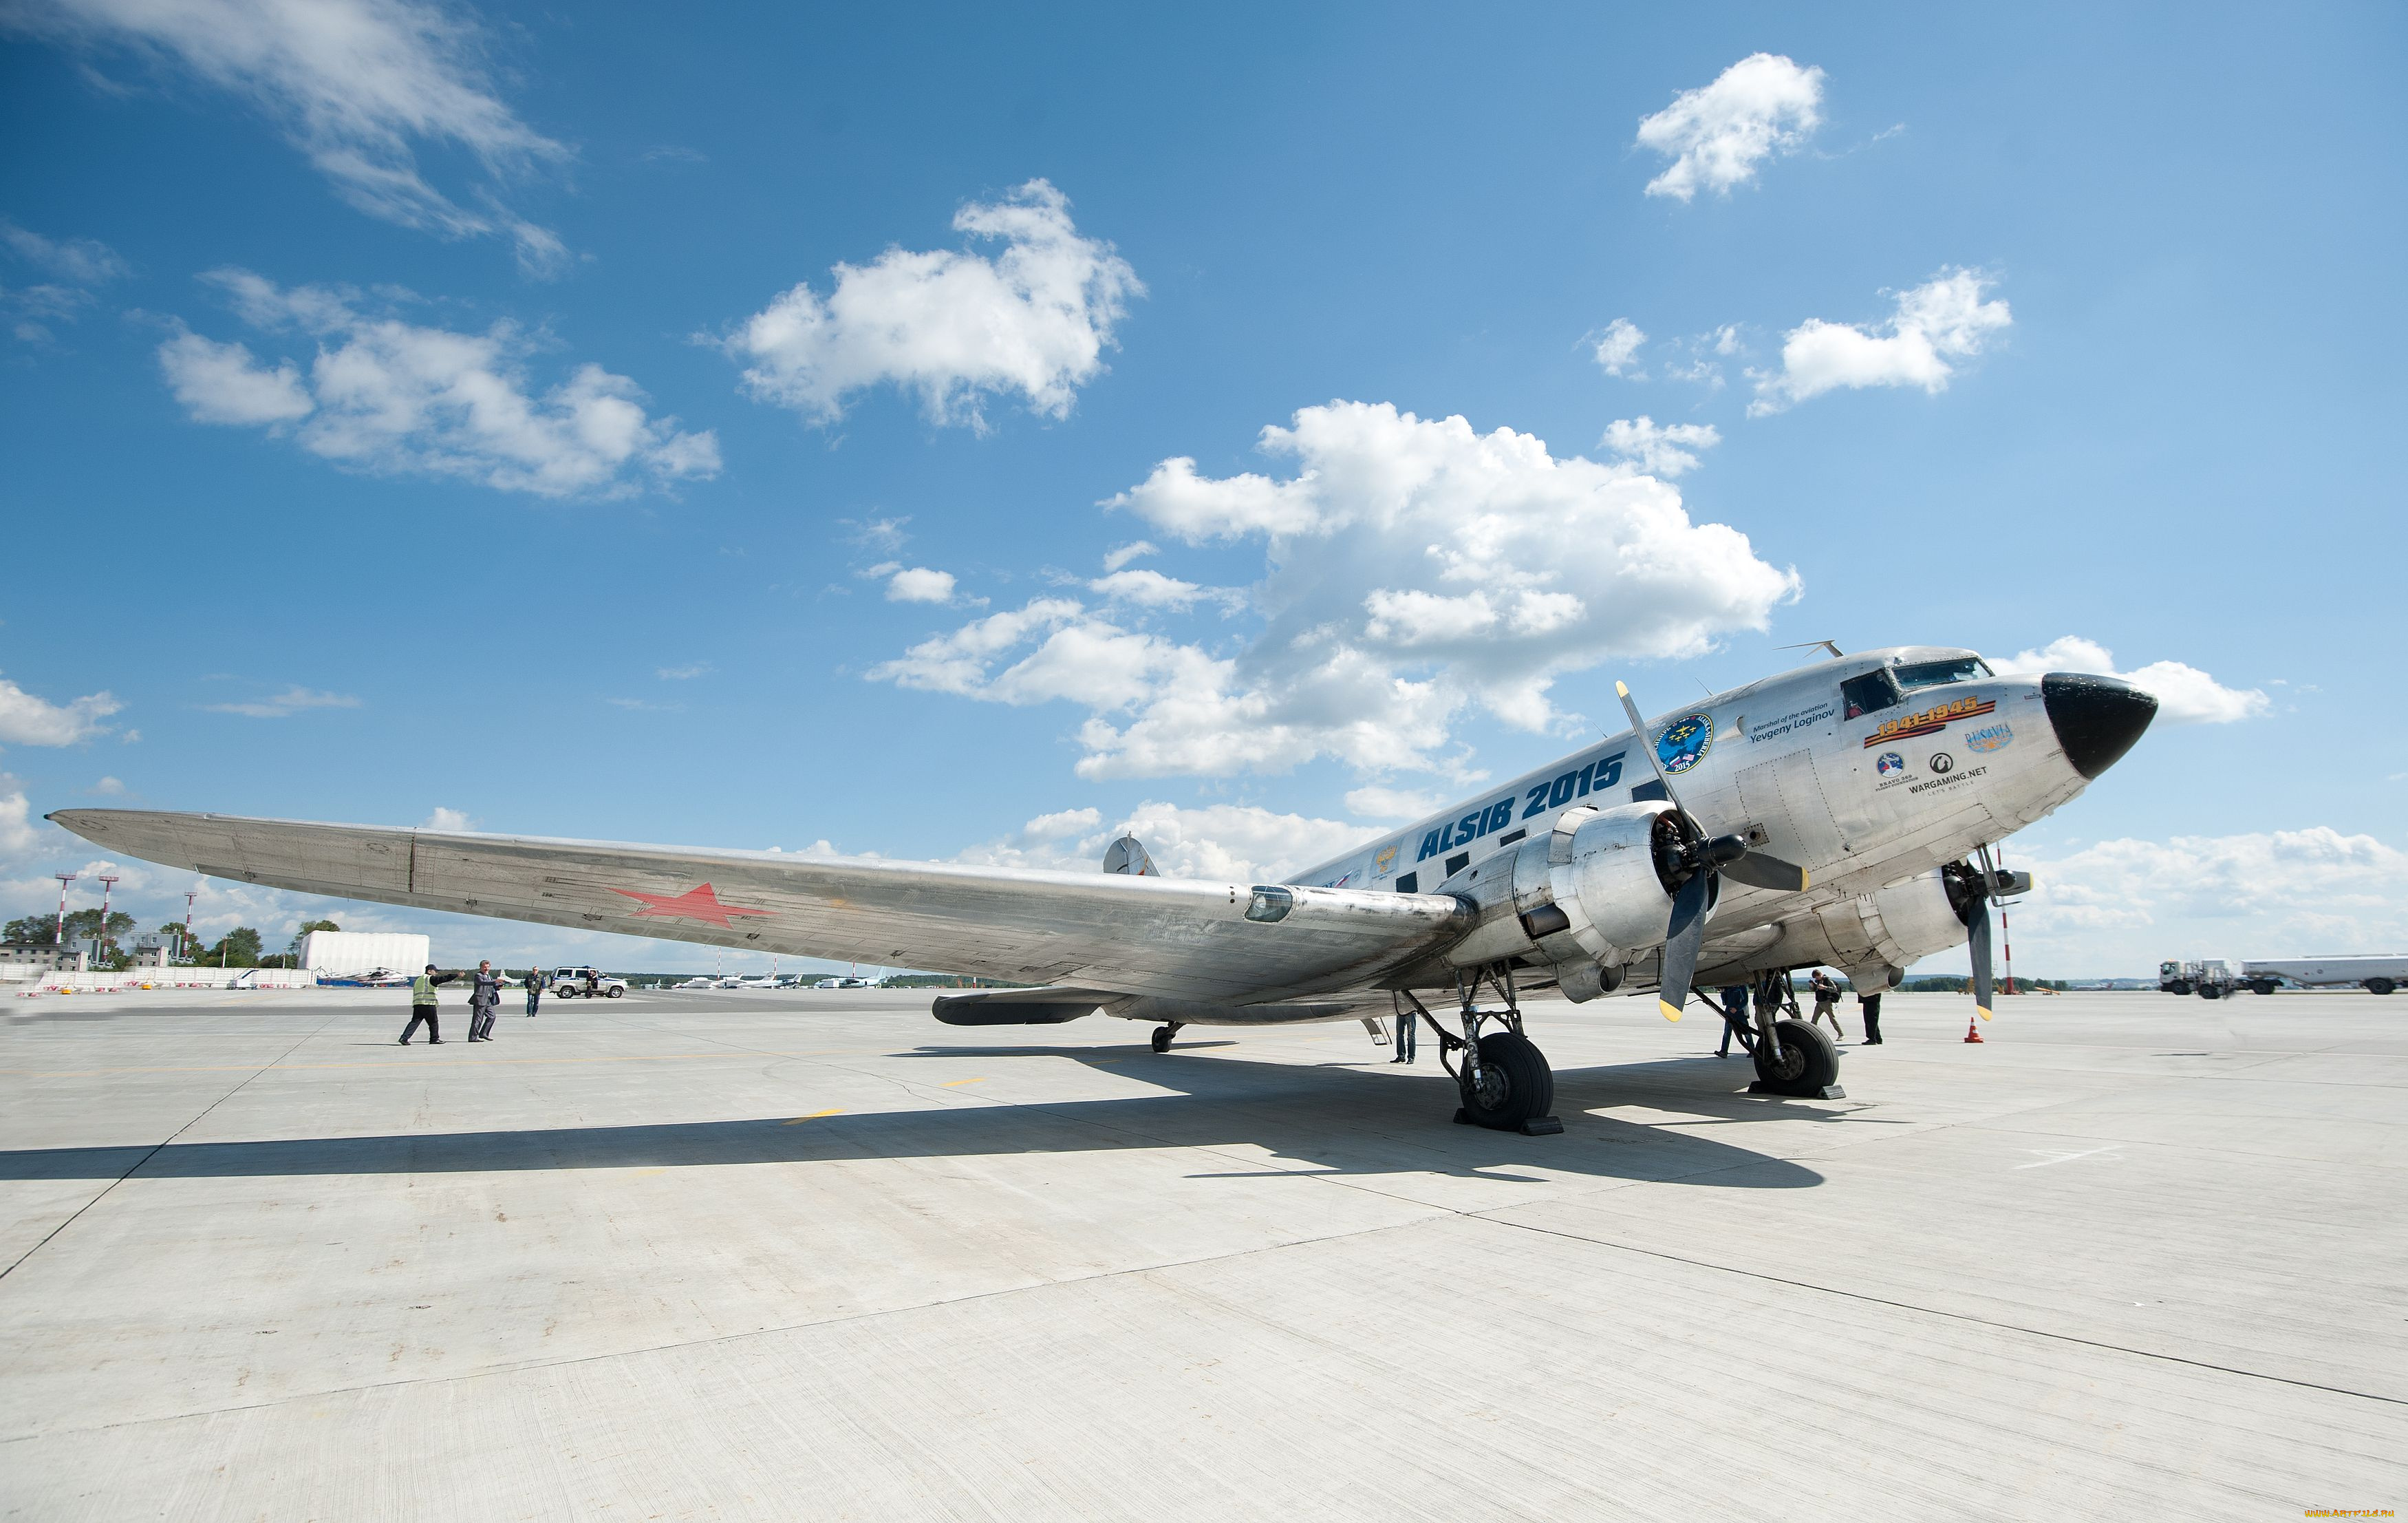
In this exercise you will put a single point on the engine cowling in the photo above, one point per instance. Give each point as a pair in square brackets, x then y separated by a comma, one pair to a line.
[1875, 937]
[1589, 897]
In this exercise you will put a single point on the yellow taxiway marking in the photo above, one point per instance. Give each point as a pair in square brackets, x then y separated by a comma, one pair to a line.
[956, 1084]
[813, 1116]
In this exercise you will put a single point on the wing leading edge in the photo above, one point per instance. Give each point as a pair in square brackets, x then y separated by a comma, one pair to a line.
[1181, 939]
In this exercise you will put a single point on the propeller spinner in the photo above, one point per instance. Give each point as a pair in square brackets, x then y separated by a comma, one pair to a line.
[1695, 860]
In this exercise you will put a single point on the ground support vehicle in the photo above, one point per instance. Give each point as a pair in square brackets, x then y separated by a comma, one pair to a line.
[2375, 974]
[2210, 979]
[589, 983]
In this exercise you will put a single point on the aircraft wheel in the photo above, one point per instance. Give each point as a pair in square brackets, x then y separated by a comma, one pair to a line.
[1516, 1084]
[1162, 1035]
[1809, 1060]
[2380, 985]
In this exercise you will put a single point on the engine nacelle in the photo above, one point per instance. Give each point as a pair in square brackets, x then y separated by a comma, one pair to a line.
[1875, 937]
[1588, 896]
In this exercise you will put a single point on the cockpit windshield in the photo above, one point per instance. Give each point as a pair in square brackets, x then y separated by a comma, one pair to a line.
[1937, 673]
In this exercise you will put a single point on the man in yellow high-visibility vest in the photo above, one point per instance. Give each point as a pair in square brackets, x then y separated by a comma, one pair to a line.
[421, 1007]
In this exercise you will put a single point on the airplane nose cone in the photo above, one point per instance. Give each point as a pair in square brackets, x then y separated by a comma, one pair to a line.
[2096, 719]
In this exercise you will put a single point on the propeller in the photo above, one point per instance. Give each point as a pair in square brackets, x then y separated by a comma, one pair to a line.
[1696, 859]
[1972, 889]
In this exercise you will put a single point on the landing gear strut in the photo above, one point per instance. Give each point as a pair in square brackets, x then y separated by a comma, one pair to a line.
[1504, 1079]
[1162, 1035]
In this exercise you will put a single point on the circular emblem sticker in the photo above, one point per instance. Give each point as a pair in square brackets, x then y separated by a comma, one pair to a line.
[1685, 742]
[1890, 764]
[1943, 762]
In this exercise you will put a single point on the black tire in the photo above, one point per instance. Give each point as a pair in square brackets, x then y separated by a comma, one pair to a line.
[1810, 1060]
[1516, 1084]
[616, 993]
[2264, 985]
[2178, 987]
[2380, 985]
[1162, 1035]
[2209, 991]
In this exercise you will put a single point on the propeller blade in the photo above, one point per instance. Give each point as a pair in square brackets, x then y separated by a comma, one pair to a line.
[1686, 937]
[1639, 726]
[1977, 944]
[1759, 871]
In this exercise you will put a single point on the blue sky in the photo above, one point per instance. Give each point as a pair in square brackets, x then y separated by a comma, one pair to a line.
[560, 420]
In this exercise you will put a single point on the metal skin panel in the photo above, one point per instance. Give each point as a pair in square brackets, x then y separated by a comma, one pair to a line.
[1184, 938]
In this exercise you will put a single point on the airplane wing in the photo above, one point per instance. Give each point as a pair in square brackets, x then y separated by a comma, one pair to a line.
[1182, 939]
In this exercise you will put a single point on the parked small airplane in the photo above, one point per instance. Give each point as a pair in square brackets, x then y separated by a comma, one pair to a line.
[1839, 814]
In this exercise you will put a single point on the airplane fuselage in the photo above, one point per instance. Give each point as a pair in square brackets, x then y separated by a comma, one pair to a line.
[1869, 771]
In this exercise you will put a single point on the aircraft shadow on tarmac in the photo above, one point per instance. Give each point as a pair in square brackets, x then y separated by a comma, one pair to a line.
[1333, 1118]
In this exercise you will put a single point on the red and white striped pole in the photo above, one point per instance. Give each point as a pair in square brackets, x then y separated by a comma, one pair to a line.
[64, 878]
[2006, 943]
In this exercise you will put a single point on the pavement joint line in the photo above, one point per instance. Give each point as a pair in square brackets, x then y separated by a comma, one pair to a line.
[1932, 1311]
[521, 1367]
[160, 1147]
[389, 1063]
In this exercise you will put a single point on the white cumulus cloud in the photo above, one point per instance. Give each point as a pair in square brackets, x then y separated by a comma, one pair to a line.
[956, 327]
[1716, 136]
[26, 720]
[1665, 450]
[1235, 843]
[919, 584]
[452, 821]
[17, 833]
[2123, 906]
[1944, 319]
[386, 396]
[2184, 693]
[355, 84]
[1416, 571]
[1617, 348]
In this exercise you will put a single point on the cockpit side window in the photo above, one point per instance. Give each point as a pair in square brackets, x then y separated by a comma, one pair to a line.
[1936, 674]
[1874, 690]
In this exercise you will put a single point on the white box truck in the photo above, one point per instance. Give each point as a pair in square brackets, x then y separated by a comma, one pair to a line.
[337, 954]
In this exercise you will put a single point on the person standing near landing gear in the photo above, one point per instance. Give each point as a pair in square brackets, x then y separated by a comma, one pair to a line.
[421, 1007]
[484, 993]
[1827, 1004]
[1869, 1008]
[1734, 1017]
[535, 990]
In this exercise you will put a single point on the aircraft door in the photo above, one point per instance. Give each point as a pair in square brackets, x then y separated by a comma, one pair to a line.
[1784, 797]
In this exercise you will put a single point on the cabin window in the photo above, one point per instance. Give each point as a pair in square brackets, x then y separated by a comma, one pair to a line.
[1409, 882]
[1270, 903]
[1937, 673]
[1872, 691]
[1456, 863]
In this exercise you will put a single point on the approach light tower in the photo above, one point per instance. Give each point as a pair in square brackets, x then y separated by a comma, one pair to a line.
[107, 886]
[60, 937]
[189, 894]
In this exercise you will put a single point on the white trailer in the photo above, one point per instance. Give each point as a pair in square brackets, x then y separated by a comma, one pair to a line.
[364, 952]
[2375, 975]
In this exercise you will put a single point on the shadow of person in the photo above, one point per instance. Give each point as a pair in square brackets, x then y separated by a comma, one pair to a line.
[1328, 1117]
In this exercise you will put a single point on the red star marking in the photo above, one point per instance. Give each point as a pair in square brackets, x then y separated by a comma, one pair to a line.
[694, 904]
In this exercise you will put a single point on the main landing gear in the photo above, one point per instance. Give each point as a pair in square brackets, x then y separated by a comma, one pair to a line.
[1162, 1035]
[1504, 1078]
[1792, 1057]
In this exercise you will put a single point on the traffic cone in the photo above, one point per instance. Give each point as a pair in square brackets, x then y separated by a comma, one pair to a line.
[1973, 1032]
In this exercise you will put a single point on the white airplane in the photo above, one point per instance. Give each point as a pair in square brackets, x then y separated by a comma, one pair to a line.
[1826, 815]
[695, 984]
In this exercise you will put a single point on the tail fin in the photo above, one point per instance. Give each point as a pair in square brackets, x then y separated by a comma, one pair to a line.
[1128, 854]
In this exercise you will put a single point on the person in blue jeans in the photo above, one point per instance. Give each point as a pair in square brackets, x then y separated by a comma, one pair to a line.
[534, 989]
[1734, 1016]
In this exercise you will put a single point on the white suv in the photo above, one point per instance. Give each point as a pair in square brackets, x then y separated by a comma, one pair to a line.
[569, 982]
